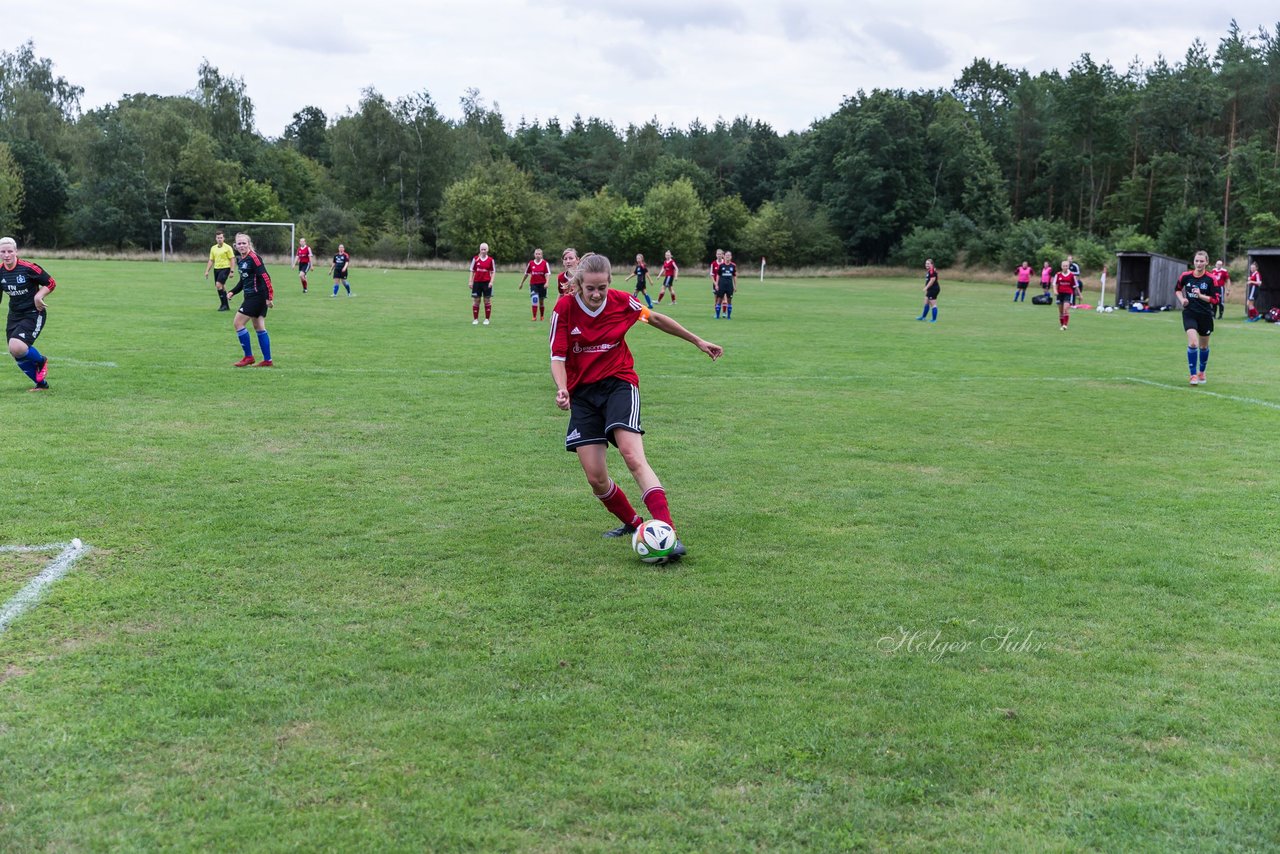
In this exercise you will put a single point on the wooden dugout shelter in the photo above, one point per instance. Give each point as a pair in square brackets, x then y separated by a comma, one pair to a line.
[1268, 261]
[1149, 276]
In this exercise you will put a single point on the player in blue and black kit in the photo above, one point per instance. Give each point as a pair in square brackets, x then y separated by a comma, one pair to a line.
[726, 284]
[1199, 294]
[641, 273]
[341, 262]
[258, 296]
[26, 286]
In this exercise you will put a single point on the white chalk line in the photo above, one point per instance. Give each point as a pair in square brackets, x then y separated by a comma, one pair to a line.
[35, 588]
[1203, 392]
[64, 361]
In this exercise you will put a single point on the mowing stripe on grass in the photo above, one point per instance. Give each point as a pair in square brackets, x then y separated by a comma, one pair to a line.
[27, 596]
[62, 361]
[1251, 400]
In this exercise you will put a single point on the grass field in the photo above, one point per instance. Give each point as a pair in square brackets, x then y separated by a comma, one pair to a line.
[977, 584]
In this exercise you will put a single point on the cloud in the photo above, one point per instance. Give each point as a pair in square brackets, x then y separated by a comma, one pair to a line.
[915, 48]
[669, 15]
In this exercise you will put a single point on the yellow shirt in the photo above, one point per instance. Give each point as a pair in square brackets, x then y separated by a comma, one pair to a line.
[221, 256]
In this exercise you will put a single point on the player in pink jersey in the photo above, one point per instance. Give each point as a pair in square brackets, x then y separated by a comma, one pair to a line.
[596, 382]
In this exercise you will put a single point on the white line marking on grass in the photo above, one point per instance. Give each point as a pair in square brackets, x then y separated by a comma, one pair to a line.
[1200, 391]
[79, 363]
[58, 567]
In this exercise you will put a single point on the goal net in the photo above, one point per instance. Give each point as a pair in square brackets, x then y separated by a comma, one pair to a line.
[188, 237]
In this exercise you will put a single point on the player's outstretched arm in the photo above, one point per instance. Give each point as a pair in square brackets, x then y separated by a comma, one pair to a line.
[672, 327]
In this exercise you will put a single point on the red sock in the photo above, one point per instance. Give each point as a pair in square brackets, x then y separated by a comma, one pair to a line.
[535, 312]
[615, 501]
[1066, 318]
[475, 312]
[542, 310]
[661, 294]
[487, 310]
[656, 500]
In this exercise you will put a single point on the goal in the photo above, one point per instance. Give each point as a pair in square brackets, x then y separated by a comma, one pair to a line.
[186, 235]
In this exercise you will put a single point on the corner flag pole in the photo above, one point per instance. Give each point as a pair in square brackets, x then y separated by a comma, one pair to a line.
[762, 268]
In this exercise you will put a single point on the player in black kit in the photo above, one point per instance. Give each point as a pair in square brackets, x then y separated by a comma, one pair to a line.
[641, 273]
[726, 284]
[26, 286]
[1198, 292]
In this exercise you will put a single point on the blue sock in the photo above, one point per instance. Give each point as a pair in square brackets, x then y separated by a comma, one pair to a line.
[335, 289]
[243, 335]
[924, 312]
[264, 344]
[27, 366]
[347, 285]
[1204, 358]
[935, 313]
[34, 355]
[728, 310]
[646, 299]
[1191, 358]
[717, 311]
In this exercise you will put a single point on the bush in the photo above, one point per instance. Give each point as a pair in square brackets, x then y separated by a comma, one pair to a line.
[927, 242]
[1129, 239]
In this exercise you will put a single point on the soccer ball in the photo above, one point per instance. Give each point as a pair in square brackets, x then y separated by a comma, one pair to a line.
[653, 541]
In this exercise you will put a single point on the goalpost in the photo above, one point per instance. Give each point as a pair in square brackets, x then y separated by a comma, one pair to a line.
[166, 232]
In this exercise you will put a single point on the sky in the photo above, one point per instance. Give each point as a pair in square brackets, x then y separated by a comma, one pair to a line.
[627, 61]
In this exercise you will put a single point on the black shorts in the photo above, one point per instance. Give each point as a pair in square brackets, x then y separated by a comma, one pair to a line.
[1022, 286]
[724, 291]
[1201, 323]
[1253, 293]
[668, 281]
[26, 327]
[599, 408]
[538, 293]
[254, 305]
[933, 292]
[220, 276]
[1065, 299]
[304, 269]
[640, 285]
[482, 289]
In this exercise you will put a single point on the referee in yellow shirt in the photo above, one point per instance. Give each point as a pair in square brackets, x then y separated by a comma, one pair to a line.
[221, 257]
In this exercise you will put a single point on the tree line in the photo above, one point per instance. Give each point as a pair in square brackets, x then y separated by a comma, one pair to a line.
[1003, 166]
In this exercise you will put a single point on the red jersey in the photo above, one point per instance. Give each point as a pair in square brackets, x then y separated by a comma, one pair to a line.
[593, 346]
[482, 269]
[1221, 277]
[304, 255]
[1065, 282]
[537, 271]
[668, 269]
[562, 283]
[715, 270]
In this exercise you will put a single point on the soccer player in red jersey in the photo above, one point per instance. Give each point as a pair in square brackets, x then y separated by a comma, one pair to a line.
[26, 285]
[536, 273]
[1198, 293]
[481, 283]
[670, 272]
[1064, 284]
[596, 381]
[1222, 277]
[258, 296]
[564, 281]
[302, 260]
[1251, 312]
